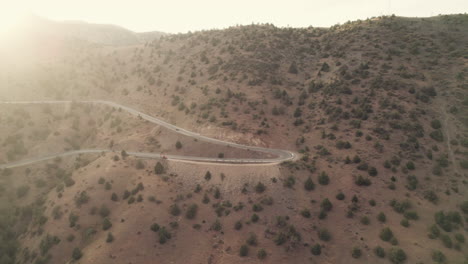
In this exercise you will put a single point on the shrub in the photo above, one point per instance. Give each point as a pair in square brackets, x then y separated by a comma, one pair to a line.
[437, 135]
[243, 251]
[260, 187]
[323, 178]
[438, 256]
[305, 213]
[104, 211]
[257, 208]
[261, 254]
[365, 220]
[372, 171]
[76, 254]
[340, 196]
[356, 252]
[155, 227]
[280, 238]
[434, 232]
[397, 255]
[361, 181]
[174, 210]
[309, 185]
[238, 225]
[460, 238]
[178, 145]
[216, 226]
[164, 235]
[435, 124]
[110, 238]
[324, 234]
[379, 252]
[326, 205]
[81, 198]
[114, 197]
[289, 181]
[106, 224]
[252, 239]
[208, 175]
[191, 211]
[464, 207]
[411, 215]
[254, 218]
[159, 168]
[412, 182]
[316, 250]
[446, 240]
[72, 218]
[386, 234]
[410, 165]
[22, 191]
[404, 222]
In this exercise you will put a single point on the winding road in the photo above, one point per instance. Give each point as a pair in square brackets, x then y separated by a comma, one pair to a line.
[280, 155]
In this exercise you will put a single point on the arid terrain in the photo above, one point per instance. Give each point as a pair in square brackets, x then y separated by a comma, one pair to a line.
[376, 111]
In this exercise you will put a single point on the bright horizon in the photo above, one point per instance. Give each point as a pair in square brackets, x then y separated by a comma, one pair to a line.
[183, 16]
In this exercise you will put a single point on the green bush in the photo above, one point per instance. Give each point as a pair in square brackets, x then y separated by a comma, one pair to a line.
[174, 210]
[446, 240]
[309, 185]
[106, 224]
[261, 254]
[323, 178]
[326, 205]
[260, 187]
[438, 257]
[110, 238]
[340, 196]
[316, 249]
[191, 211]
[76, 254]
[305, 213]
[104, 211]
[324, 234]
[178, 145]
[208, 176]
[386, 234]
[435, 124]
[159, 168]
[379, 252]
[437, 135]
[356, 252]
[252, 239]
[361, 181]
[244, 251]
[404, 222]
[397, 255]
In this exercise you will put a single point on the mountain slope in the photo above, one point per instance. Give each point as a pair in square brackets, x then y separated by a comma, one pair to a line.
[377, 108]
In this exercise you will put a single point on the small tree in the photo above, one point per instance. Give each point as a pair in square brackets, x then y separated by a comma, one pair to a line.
[316, 250]
[293, 68]
[191, 211]
[159, 168]
[244, 250]
[261, 254]
[260, 187]
[309, 185]
[323, 178]
[77, 254]
[397, 255]
[110, 238]
[106, 224]
[356, 252]
[178, 145]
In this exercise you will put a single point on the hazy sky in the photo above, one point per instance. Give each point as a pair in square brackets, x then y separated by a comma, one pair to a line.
[175, 16]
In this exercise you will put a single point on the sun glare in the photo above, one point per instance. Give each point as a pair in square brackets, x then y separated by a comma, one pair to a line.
[9, 18]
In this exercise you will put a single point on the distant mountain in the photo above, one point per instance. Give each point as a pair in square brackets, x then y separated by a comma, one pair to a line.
[97, 33]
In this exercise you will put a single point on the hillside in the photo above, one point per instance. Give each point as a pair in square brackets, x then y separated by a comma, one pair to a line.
[377, 109]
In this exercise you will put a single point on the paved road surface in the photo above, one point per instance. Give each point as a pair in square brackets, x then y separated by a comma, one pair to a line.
[280, 155]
